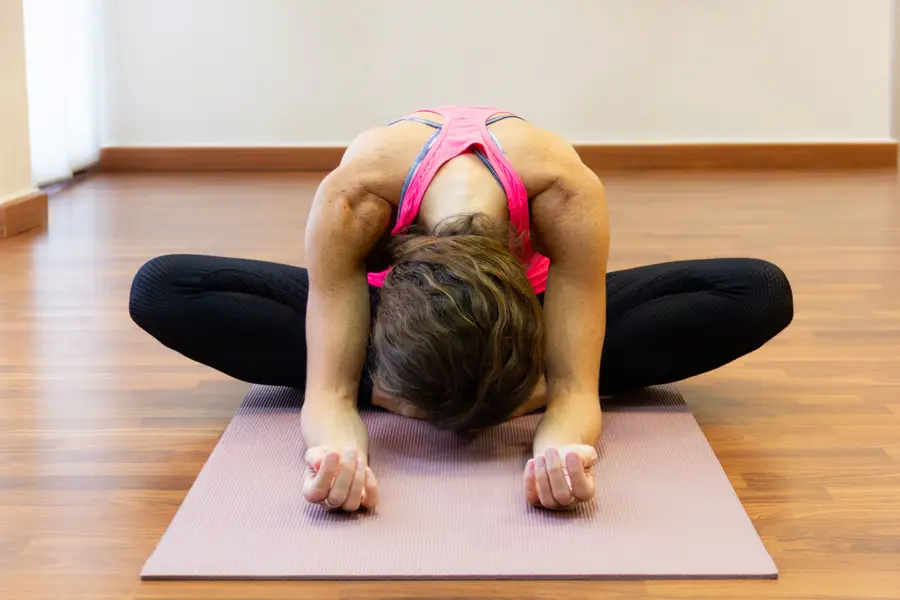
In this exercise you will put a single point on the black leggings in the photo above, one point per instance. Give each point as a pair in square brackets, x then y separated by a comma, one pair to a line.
[665, 322]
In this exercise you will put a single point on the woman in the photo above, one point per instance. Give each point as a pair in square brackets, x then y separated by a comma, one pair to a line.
[459, 254]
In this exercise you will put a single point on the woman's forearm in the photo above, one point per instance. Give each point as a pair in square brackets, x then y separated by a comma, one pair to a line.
[337, 332]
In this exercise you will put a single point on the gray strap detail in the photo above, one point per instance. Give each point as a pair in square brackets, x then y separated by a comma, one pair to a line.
[496, 118]
[487, 163]
[434, 124]
[496, 141]
[415, 166]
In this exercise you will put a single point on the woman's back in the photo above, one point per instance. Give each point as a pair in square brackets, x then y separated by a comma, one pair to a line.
[458, 160]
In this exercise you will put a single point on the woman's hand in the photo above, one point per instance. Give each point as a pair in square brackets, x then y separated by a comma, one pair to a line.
[340, 480]
[561, 478]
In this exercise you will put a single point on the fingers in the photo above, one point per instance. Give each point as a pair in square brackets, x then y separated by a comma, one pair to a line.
[530, 485]
[370, 494]
[559, 483]
[357, 488]
[314, 458]
[316, 489]
[558, 480]
[588, 455]
[340, 488]
[340, 481]
[582, 479]
[542, 482]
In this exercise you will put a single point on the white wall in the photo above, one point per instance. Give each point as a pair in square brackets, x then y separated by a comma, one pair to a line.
[286, 72]
[15, 169]
[895, 100]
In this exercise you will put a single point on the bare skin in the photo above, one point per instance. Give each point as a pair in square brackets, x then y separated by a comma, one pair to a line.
[348, 228]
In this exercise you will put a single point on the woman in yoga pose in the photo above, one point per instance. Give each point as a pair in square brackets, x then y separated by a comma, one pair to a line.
[456, 272]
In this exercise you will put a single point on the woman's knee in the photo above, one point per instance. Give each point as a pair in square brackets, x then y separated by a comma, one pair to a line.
[769, 306]
[154, 288]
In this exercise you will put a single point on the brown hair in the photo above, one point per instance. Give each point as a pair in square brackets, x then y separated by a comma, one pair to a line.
[459, 332]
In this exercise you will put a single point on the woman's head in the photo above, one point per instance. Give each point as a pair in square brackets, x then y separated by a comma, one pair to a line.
[459, 332]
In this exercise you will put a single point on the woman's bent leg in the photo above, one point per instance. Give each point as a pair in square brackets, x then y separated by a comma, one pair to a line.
[671, 321]
[245, 318]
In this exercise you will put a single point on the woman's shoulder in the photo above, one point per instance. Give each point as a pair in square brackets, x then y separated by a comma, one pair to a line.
[540, 156]
[381, 157]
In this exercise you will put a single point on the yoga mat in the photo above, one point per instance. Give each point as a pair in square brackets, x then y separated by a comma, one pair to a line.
[452, 508]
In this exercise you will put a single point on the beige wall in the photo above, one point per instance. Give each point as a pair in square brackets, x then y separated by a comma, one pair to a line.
[895, 116]
[15, 169]
[298, 72]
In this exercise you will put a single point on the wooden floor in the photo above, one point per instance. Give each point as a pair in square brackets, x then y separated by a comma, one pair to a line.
[102, 430]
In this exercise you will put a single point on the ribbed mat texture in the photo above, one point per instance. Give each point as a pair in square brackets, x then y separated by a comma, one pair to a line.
[453, 508]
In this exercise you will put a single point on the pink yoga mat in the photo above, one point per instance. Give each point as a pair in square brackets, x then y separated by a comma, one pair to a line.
[453, 508]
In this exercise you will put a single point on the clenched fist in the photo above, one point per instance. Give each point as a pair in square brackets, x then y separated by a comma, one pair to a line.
[561, 478]
[339, 480]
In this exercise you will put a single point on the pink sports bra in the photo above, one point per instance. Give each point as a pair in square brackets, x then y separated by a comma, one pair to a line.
[465, 129]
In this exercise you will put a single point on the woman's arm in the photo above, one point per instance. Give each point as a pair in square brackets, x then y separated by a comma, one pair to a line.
[572, 223]
[346, 221]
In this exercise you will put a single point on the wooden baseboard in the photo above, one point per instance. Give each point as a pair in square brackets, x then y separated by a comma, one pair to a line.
[201, 158]
[23, 213]
[839, 155]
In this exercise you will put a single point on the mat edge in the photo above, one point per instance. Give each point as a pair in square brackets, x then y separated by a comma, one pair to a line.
[753, 577]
